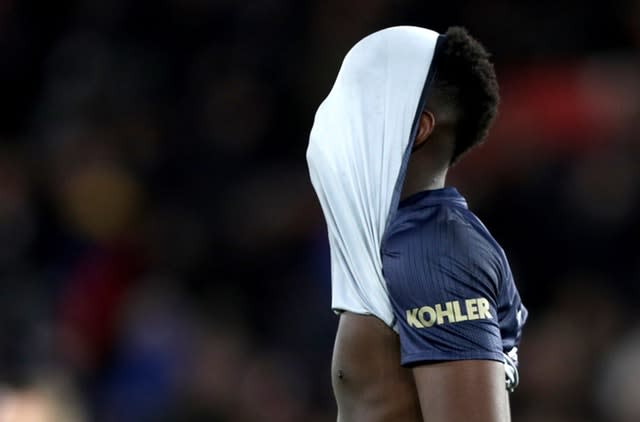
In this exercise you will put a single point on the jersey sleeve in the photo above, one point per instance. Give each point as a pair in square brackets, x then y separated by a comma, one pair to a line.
[512, 314]
[444, 279]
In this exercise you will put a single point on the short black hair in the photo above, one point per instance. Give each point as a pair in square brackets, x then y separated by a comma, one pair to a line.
[465, 80]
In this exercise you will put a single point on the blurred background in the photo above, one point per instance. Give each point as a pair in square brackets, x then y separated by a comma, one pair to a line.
[162, 254]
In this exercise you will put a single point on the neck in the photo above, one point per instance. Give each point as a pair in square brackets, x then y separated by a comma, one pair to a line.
[428, 166]
[417, 183]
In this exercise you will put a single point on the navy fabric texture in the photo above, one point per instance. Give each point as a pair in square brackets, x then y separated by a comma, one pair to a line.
[452, 291]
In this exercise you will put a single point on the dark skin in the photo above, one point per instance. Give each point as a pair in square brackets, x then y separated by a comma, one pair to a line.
[368, 381]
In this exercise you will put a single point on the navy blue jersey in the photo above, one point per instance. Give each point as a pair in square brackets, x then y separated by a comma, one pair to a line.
[449, 282]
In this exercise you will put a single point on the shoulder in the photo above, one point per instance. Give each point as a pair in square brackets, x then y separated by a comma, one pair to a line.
[447, 243]
[442, 228]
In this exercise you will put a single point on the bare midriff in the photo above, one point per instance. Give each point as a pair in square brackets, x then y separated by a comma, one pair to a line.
[368, 381]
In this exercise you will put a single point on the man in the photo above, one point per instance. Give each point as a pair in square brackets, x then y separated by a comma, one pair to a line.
[430, 318]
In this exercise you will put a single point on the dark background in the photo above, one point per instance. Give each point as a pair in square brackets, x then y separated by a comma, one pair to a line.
[163, 257]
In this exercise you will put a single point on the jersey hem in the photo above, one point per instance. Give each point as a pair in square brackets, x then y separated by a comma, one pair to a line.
[416, 358]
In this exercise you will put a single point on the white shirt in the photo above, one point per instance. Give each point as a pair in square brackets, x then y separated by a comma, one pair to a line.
[358, 151]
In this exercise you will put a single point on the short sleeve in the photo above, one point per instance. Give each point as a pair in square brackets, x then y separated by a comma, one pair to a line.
[443, 278]
[511, 313]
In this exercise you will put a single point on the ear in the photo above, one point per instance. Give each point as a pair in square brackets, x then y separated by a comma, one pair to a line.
[425, 127]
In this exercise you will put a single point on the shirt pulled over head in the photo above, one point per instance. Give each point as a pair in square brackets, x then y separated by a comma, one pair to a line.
[357, 155]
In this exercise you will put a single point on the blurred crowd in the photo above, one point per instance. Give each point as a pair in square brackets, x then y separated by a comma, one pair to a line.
[162, 254]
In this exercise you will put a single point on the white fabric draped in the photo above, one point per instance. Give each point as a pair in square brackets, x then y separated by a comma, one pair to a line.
[358, 150]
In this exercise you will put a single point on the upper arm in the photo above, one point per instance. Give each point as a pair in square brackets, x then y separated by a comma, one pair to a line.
[458, 314]
[443, 282]
[461, 391]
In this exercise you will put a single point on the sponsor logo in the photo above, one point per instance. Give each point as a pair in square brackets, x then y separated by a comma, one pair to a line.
[450, 312]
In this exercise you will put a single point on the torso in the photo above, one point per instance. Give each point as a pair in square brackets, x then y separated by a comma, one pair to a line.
[368, 381]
